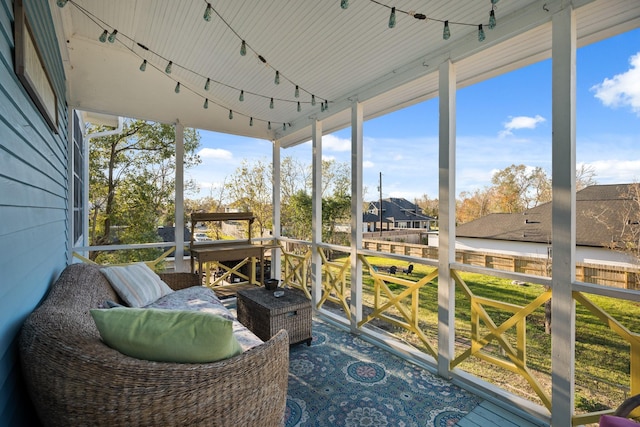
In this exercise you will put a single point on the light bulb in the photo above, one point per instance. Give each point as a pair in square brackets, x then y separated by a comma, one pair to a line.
[492, 20]
[481, 36]
[177, 89]
[277, 78]
[206, 103]
[313, 100]
[243, 48]
[299, 108]
[392, 18]
[169, 66]
[241, 98]
[297, 94]
[251, 121]
[269, 126]
[446, 33]
[143, 66]
[112, 36]
[103, 36]
[326, 105]
[284, 126]
[61, 3]
[344, 4]
[494, 1]
[322, 107]
[271, 104]
[207, 85]
[230, 114]
[207, 12]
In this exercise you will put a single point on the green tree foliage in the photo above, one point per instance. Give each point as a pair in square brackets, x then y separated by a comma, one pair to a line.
[250, 190]
[132, 183]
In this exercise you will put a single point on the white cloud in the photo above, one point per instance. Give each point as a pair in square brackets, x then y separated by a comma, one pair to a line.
[622, 90]
[616, 171]
[215, 153]
[333, 143]
[368, 164]
[521, 122]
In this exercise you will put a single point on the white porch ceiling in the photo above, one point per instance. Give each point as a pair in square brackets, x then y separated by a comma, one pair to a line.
[338, 55]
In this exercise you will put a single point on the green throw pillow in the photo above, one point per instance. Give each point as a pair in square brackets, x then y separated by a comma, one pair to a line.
[167, 335]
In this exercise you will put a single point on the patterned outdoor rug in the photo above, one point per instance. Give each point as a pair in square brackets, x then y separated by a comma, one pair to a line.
[342, 380]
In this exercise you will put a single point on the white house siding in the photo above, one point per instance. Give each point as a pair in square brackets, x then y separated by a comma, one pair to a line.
[33, 200]
[584, 254]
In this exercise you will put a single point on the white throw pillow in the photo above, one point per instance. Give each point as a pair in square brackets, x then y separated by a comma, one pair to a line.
[136, 284]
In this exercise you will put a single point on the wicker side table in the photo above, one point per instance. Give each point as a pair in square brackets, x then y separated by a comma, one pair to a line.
[265, 314]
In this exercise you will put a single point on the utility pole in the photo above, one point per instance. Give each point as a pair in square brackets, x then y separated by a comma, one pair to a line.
[380, 203]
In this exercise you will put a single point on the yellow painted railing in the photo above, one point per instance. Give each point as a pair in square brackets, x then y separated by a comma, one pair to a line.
[386, 299]
[334, 282]
[295, 271]
[634, 342]
[517, 356]
[216, 273]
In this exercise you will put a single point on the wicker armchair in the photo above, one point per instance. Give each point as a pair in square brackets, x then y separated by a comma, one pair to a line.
[73, 378]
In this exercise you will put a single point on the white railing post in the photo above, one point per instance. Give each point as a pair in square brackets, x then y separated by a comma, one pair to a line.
[563, 215]
[179, 219]
[446, 216]
[276, 269]
[356, 212]
[316, 215]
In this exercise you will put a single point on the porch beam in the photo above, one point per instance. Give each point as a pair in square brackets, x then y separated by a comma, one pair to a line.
[357, 119]
[316, 212]
[179, 218]
[563, 158]
[446, 216]
[276, 228]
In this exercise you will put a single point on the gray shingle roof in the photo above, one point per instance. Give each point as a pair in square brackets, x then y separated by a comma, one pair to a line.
[401, 210]
[601, 213]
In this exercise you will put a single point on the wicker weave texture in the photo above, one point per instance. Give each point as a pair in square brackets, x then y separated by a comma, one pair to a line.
[73, 378]
[265, 314]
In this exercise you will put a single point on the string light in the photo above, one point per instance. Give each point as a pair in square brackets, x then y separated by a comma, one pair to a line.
[61, 3]
[276, 80]
[206, 103]
[481, 36]
[313, 100]
[299, 108]
[230, 114]
[243, 48]
[143, 66]
[103, 36]
[492, 20]
[284, 126]
[169, 67]
[207, 12]
[343, 4]
[241, 98]
[271, 104]
[326, 105]
[392, 18]
[251, 121]
[112, 36]
[177, 89]
[446, 33]
[269, 126]
[297, 92]
[207, 85]
[322, 107]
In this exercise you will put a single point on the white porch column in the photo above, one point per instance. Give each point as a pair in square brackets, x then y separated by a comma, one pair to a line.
[316, 213]
[179, 219]
[276, 271]
[563, 215]
[446, 215]
[356, 213]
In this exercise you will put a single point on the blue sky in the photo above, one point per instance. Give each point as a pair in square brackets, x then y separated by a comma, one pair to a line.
[502, 121]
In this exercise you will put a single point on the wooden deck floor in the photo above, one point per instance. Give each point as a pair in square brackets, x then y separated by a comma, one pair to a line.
[487, 414]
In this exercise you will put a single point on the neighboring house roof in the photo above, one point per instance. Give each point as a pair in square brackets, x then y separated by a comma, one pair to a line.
[397, 209]
[601, 213]
[369, 217]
